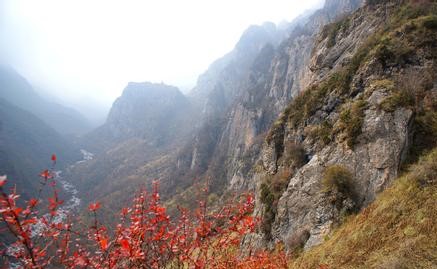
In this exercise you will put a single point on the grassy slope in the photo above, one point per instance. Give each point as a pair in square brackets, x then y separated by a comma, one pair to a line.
[399, 230]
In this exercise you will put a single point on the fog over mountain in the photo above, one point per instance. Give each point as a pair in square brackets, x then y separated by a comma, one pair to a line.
[87, 51]
[248, 134]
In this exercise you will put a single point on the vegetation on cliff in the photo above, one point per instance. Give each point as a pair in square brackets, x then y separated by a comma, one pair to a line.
[398, 230]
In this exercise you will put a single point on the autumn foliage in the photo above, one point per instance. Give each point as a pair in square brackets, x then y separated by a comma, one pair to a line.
[145, 236]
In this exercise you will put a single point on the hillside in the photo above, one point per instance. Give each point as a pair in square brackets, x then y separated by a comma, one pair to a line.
[398, 230]
[17, 91]
[368, 112]
[26, 145]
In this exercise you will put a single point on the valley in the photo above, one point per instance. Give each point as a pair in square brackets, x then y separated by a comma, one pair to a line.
[329, 121]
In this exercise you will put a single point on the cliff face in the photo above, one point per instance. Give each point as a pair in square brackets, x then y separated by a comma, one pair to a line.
[275, 75]
[371, 86]
[219, 86]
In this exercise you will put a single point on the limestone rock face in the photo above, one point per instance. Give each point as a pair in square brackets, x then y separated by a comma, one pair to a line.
[380, 144]
[374, 162]
[260, 80]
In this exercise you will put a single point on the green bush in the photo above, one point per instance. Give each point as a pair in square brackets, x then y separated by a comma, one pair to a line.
[339, 179]
[384, 54]
[400, 98]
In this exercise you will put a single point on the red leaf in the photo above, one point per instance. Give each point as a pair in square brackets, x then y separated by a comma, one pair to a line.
[104, 243]
[18, 210]
[125, 244]
[124, 211]
[33, 202]
[94, 206]
[46, 174]
[30, 221]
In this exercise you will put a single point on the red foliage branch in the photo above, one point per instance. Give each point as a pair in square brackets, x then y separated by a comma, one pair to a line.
[145, 236]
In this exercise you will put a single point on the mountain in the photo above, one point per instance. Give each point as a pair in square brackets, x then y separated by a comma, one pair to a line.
[16, 90]
[145, 127]
[218, 87]
[316, 121]
[231, 108]
[26, 145]
[367, 112]
[274, 73]
[155, 113]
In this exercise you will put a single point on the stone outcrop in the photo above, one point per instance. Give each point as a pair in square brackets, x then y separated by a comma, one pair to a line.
[349, 83]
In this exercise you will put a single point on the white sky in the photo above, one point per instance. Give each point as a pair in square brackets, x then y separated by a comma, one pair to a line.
[90, 49]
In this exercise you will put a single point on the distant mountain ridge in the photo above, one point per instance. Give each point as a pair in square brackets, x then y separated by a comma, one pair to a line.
[17, 90]
[26, 145]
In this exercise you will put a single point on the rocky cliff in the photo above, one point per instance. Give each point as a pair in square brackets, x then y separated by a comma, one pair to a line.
[359, 120]
[250, 91]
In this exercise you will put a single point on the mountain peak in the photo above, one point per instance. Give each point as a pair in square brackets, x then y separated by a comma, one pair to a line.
[149, 89]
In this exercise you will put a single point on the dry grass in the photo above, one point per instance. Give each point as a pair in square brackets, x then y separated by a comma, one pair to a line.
[399, 230]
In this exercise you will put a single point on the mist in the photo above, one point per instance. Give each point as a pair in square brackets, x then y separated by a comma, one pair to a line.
[83, 53]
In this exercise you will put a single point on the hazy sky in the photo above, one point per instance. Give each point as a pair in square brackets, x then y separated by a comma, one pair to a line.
[90, 49]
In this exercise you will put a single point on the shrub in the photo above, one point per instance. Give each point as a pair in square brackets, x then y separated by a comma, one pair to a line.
[331, 31]
[339, 179]
[294, 155]
[409, 91]
[145, 236]
[321, 132]
[272, 189]
[400, 98]
[351, 121]
[425, 171]
[425, 134]
[385, 55]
